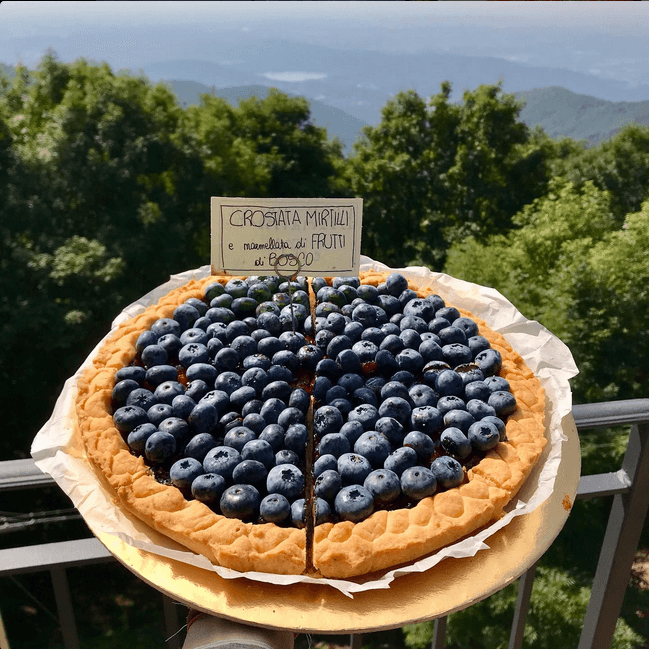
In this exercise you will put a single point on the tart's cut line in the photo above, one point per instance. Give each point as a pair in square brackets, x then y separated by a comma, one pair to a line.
[343, 549]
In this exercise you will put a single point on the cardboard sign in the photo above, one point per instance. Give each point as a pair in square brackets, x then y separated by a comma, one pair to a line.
[261, 236]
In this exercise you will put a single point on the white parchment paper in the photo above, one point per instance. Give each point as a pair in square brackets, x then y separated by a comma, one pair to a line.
[56, 450]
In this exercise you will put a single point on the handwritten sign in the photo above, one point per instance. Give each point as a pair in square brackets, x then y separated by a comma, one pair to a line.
[259, 235]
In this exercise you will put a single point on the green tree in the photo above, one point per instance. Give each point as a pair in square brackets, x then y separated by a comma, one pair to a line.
[619, 165]
[574, 268]
[435, 172]
[265, 147]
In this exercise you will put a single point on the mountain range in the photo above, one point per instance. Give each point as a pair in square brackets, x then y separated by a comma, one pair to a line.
[559, 111]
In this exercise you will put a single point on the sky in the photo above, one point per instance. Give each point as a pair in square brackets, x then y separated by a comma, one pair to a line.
[617, 18]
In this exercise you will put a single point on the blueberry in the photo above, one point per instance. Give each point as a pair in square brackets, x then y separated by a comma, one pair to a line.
[348, 361]
[394, 389]
[418, 482]
[353, 468]
[467, 325]
[241, 396]
[423, 395]
[419, 308]
[352, 430]
[479, 409]
[374, 446]
[392, 343]
[238, 437]
[203, 371]
[397, 408]
[176, 427]
[273, 434]
[402, 376]
[138, 436]
[244, 346]
[430, 350]
[327, 419]
[121, 391]
[166, 392]
[327, 484]
[213, 290]
[250, 472]
[253, 420]
[154, 355]
[183, 472]
[271, 410]
[240, 501]
[159, 412]
[203, 418]
[193, 353]
[131, 372]
[334, 444]
[447, 471]
[354, 503]
[450, 402]
[504, 403]
[384, 486]
[497, 384]
[321, 386]
[390, 304]
[221, 460]
[194, 335]
[410, 338]
[309, 356]
[287, 480]
[396, 284]
[478, 344]
[172, 345]
[286, 457]
[448, 312]
[455, 442]
[448, 382]
[290, 416]
[329, 368]
[217, 398]
[141, 397]
[277, 390]
[427, 419]
[498, 423]
[401, 459]
[221, 314]
[295, 439]
[367, 414]
[269, 321]
[489, 361]
[275, 508]
[477, 390]
[353, 331]
[437, 324]
[199, 446]
[164, 326]
[127, 418]
[160, 447]
[461, 419]
[386, 363]
[208, 488]
[145, 339]
[392, 430]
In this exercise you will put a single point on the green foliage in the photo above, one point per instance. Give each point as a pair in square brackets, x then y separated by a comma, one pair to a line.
[557, 609]
[619, 165]
[433, 173]
[570, 266]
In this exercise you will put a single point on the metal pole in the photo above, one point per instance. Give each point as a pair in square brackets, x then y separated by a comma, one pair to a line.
[620, 544]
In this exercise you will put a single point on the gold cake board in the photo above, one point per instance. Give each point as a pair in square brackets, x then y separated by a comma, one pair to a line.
[452, 585]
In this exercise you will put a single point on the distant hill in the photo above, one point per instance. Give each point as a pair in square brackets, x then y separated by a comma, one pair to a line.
[562, 113]
[337, 122]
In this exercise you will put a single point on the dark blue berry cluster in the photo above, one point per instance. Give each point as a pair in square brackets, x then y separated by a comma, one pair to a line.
[405, 390]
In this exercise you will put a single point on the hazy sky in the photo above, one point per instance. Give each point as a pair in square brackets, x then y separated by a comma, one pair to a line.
[618, 18]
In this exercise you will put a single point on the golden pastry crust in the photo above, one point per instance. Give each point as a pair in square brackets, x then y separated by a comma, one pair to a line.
[341, 550]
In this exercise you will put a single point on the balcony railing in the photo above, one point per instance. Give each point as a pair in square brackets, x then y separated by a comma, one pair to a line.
[629, 487]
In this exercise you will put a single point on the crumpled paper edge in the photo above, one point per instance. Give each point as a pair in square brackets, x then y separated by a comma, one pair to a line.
[57, 453]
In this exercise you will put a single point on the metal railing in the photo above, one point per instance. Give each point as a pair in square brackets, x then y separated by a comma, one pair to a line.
[629, 487]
